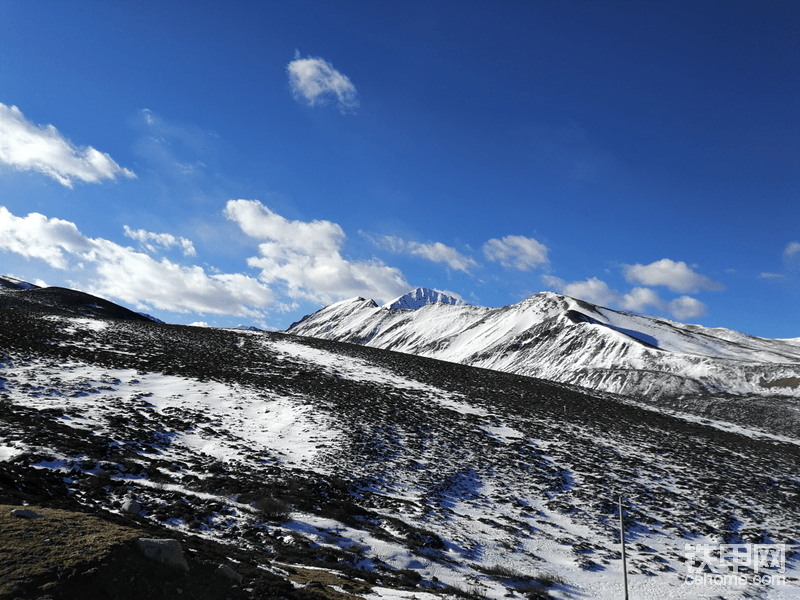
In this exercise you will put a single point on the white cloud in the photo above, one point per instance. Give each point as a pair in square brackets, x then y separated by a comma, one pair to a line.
[165, 240]
[434, 252]
[176, 150]
[132, 276]
[791, 249]
[592, 290]
[791, 261]
[638, 299]
[306, 237]
[306, 257]
[771, 276]
[686, 307]
[677, 276]
[27, 147]
[139, 279]
[516, 252]
[36, 236]
[315, 82]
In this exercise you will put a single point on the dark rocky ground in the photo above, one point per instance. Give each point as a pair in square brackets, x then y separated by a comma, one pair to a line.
[464, 468]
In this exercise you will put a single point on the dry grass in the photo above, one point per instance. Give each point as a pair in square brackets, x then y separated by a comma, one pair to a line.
[791, 382]
[355, 588]
[63, 541]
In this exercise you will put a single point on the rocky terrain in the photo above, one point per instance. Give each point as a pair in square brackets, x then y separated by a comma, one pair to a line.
[712, 373]
[313, 467]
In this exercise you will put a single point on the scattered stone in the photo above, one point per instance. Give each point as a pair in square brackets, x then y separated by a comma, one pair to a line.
[26, 513]
[168, 552]
[131, 506]
[226, 571]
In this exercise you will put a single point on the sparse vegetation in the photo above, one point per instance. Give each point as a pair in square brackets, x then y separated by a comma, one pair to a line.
[500, 572]
[549, 579]
[537, 586]
[273, 509]
[471, 592]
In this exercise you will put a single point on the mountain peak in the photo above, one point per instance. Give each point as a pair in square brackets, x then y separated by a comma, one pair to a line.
[419, 297]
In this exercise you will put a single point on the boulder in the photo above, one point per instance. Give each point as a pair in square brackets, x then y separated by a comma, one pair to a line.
[226, 571]
[131, 506]
[168, 552]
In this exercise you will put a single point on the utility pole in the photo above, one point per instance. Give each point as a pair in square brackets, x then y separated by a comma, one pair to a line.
[622, 539]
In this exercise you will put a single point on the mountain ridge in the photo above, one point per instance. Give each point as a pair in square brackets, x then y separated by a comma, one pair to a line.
[17, 293]
[572, 341]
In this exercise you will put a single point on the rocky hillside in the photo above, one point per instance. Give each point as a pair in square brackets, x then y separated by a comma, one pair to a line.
[307, 466]
[15, 294]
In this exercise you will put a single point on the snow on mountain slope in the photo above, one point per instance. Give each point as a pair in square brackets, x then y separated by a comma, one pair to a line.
[415, 472]
[568, 340]
[421, 296]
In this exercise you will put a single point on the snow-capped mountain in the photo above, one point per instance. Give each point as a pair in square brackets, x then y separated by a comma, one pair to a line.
[567, 340]
[419, 297]
[383, 475]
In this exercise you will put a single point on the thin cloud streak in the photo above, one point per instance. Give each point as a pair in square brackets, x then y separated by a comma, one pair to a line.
[516, 252]
[165, 240]
[432, 251]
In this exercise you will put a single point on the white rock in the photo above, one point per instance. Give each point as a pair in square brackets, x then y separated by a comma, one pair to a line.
[131, 506]
[168, 552]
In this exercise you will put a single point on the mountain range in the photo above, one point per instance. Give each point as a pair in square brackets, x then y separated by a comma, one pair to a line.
[716, 372]
[300, 468]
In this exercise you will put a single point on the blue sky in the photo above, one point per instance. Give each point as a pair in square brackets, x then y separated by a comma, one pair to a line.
[250, 162]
